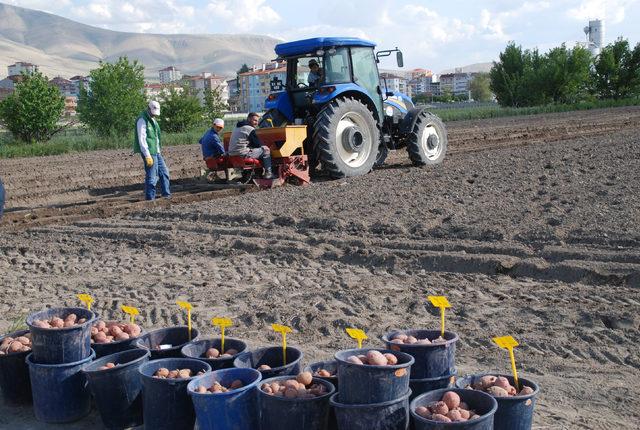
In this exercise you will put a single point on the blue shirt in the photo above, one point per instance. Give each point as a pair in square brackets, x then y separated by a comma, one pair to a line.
[211, 144]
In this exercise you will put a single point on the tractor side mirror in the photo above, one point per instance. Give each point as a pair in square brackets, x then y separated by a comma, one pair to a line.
[389, 93]
[399, 59]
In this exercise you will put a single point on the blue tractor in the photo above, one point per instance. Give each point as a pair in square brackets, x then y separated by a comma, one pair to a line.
[333, 87]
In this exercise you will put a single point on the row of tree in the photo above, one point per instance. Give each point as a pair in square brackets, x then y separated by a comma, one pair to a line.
[109, 107]
[565, 75]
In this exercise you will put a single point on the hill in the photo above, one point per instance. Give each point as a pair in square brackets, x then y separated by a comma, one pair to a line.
[60, 46]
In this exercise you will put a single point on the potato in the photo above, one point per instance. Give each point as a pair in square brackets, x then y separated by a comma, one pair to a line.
[122, 336]
[440, 417]
[439, 408]
[71, 317]
[101, 337]
[455, 415]
[110, 365]
[291, 393]
[324, 373]
[400, 336]
[41, 324]
[486, 381]
[423, 342]
[57, 322]
[264, 367]
[391, 359]
[82, 321]
[511, 390]
[236, 384]
[212, 353]
[451, 399]
[497, 391]
[375, 358]
[15, 347]
[304, 378]
[201, 389]
[502, 382]
[464, 413]
[231, 351]
[354, 360]
[184, 373]
[162, 372]
[525, 391]
[423, 412]
[410, 340]
[94, 331]
[439, 340]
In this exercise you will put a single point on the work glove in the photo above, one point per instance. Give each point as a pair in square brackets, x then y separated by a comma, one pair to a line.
[148, 161]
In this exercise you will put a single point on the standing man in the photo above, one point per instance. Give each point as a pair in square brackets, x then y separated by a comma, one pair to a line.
[147, 144]
[246, 143]
[211, 144]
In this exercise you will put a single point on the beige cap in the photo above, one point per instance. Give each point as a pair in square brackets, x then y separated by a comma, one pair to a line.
[154, 108]
[218, 122]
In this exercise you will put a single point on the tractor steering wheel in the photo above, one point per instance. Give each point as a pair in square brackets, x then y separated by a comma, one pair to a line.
[302, 85]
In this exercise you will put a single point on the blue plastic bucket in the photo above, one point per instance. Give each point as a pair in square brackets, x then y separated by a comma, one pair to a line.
[14, 374]
[166, 403]
[104, 349]
[431, 360]
[118, 391]
[331, 366]
[421, 386]
[365, 384]
[61, 345]
[199, 348]
[177, 337]
[60, 393]
[271, 356]
[233, 410]
[514, 413]
[277, 413]
[482, 403]
[391, 415]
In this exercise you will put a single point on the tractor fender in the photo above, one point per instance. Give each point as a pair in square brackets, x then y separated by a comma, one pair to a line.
[410, 119]
[281, 102]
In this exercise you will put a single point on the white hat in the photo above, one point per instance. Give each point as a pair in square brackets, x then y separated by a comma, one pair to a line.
[154, 108]
[219, 122]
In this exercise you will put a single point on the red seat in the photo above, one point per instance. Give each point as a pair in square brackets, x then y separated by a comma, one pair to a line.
[241, 162]
[215, 163]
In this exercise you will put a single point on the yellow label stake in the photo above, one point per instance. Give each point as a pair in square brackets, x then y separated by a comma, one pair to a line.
[188, 307]
[222, 323]
[131, 311]
[86, 299]
[282, 329]
[442, 303]
[357, 334]
[508, 343]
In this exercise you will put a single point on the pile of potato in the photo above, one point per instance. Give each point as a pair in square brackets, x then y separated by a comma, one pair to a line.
[323, 373]
[108, 366]
[215, 353]
[499, 386]
[219, 388]
[449, 409]
[374, 358]
[412, 340]
[12, 345]
[57, 322]
[107, 332]
[302, 387]
[164, 373]
[264, 367]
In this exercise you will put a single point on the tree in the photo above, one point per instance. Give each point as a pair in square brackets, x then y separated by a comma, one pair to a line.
[616, 71]
[480, 88]
[32, 112]
[506, 75]
[214, 106]
[243, 69]
[180, 109]
[115, 97]
[565, 74]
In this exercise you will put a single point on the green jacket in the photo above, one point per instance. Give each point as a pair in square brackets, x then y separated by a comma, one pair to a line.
[153, 134]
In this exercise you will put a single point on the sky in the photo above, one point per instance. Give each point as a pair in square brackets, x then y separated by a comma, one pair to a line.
[434, 35]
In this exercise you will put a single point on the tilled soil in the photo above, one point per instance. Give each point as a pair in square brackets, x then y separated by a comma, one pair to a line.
[531, 227]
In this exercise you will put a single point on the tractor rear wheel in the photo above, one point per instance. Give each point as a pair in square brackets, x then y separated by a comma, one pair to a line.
[346, 138]
[427, 142]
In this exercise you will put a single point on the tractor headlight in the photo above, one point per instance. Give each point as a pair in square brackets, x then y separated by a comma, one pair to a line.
[388, 111]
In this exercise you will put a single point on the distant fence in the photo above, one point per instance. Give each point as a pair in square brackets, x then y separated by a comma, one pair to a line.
[460, 105]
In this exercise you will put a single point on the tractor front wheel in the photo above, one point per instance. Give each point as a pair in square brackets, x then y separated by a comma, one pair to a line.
[346, 138]
[427, 143]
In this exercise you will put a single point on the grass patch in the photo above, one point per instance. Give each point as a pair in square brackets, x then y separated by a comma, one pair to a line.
[483, 112]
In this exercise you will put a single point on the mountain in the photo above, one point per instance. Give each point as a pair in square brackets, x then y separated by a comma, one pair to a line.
[61, 47]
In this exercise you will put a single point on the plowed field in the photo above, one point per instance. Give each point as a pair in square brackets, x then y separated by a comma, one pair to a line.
[531, 227]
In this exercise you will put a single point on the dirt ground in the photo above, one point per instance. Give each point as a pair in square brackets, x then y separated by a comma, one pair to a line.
[531, 227]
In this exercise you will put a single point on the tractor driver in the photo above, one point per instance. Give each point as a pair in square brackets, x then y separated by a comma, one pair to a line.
[246, 143]
[315, 75]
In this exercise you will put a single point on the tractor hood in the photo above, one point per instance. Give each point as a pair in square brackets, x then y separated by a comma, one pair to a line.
[301, 47]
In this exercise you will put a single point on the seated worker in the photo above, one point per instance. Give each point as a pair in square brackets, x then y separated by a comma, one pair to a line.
[211, 144]
[315, 75]
[246, 143]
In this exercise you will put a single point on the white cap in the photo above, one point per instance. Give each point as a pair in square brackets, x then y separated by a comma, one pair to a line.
[154, 108]
[219, 122]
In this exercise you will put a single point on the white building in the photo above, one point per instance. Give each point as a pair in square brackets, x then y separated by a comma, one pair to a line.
[169, 74]
[206, 81]
[595, 36]
[395, 83]
[20, 66]
[256, 85]
[456, 83]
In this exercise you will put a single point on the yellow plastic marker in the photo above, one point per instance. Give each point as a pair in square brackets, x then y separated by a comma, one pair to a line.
[508, 343]
[357, 334]
[442, 303]
[222, 323]
[131, 311]
[188, 307]
[86, 299]
[283, 329]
